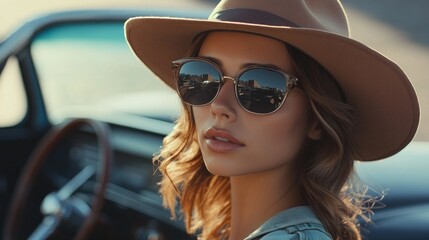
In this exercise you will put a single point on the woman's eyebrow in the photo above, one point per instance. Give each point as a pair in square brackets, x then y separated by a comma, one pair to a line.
[261, 65]
[212, 59]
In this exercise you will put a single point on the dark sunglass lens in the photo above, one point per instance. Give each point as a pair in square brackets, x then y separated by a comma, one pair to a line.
[198, 82]
[261, 90]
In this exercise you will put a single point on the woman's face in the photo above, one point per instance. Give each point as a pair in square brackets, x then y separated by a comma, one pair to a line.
[235, 142]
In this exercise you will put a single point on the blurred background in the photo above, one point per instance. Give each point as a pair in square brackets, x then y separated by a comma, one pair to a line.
[396, 28]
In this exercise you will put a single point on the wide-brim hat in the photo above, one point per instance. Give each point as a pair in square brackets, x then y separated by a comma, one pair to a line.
[382, 96]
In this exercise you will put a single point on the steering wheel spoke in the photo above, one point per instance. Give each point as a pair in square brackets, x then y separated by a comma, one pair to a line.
[71, 186]
[46, 228]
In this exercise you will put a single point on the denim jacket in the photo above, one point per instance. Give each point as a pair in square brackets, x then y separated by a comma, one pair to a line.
[296, 223]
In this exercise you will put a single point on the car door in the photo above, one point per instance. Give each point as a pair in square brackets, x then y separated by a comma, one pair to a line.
[22, 114]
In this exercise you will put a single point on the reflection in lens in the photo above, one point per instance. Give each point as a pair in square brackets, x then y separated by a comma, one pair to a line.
[198, 82]
[261, 90]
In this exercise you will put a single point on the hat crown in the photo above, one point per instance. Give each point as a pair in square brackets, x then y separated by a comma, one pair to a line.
[325, 15]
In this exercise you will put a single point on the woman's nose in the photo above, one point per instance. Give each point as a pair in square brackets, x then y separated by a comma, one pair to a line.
[224, 106]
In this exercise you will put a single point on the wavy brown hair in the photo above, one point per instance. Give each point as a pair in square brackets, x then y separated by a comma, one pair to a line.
[327, 175]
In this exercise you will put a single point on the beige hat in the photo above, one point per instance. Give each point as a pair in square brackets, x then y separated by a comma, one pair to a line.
[384, 100]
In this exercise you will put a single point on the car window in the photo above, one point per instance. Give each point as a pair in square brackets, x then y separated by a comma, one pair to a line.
[89, 67]
[13, 101]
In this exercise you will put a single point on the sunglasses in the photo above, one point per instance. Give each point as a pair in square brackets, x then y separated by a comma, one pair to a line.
[259, 89]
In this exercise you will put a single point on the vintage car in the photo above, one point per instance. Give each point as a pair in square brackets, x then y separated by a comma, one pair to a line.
[81, 118]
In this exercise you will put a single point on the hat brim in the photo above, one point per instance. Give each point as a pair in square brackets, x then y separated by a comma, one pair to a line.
[382, 96]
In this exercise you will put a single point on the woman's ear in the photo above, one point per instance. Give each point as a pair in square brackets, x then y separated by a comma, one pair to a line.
[314, 130]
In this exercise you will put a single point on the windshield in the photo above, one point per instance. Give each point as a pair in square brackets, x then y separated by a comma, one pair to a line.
[90, 68]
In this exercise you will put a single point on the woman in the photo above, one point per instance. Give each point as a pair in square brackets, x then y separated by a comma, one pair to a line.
[278, 103]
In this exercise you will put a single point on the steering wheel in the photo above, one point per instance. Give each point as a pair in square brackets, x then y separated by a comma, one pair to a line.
[58, 206]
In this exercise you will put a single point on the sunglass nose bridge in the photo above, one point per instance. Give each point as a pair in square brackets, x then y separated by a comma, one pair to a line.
[224, 78]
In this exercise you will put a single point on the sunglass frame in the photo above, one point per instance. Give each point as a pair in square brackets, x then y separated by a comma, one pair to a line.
[291, 81]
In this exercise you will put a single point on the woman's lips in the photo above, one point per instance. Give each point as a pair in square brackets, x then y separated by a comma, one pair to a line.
[221, 141]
